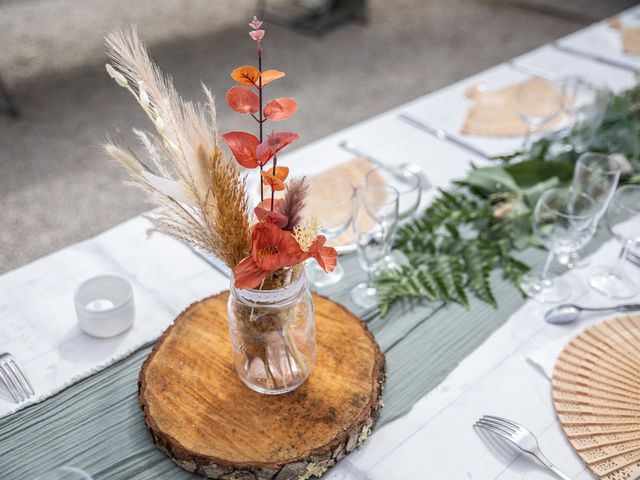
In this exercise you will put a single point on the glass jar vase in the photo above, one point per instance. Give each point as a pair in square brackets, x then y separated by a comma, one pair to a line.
[273, 336]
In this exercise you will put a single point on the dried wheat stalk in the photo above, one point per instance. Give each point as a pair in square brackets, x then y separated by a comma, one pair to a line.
[202, 194]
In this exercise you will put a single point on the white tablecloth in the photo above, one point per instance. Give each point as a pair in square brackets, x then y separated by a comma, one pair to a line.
[603, 42]
[436, 440]
[39, 324]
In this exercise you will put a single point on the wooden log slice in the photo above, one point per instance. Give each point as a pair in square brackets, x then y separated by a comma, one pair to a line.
[201, 415]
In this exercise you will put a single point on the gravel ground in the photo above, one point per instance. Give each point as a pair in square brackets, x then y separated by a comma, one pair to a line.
[56, 187]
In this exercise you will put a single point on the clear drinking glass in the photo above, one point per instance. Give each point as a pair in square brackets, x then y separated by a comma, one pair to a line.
[537, 102]
[64, 473]
[563, 221]
[597, 175]
[405, 182]
[408, 185]
[623, 221]
[374, 221]
[585, 104]
[330, 201]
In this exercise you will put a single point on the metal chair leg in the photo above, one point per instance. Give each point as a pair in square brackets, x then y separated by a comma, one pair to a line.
[12, 107]
[319, 21]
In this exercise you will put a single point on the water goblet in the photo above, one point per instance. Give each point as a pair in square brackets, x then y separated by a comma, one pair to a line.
[537, 102]
[623, 221]
[408, 185]
[374, 221]
[64, 473]
[406, 182]
[597, 175]
[330, 202]
[585, 104]
[563, 221]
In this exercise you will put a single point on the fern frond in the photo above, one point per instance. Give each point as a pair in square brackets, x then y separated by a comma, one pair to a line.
[478, 269]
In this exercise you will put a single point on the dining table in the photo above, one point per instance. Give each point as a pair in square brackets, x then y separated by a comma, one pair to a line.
[447, 365]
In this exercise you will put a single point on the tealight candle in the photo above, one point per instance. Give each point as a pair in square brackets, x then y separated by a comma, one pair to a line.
[104, 306]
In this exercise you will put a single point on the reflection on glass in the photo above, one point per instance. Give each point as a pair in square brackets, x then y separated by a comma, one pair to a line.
[585, 103]
[564, 222]
[330, 202]
[375, 219]
[405, 182]
[623, 221]
[537, 102]
[597, 175]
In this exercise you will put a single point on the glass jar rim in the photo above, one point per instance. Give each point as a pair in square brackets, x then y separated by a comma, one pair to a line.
[275, 296]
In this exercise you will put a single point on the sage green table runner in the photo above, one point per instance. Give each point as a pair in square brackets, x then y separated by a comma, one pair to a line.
[96, 424]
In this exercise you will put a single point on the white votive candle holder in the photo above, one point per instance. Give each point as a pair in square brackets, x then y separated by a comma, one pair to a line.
[104, 306]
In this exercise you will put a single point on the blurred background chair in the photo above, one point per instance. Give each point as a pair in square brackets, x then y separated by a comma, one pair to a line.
[8, 103]
[313, 16]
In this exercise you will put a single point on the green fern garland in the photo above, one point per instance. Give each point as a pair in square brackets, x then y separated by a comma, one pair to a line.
[463, 236]
[452, 249]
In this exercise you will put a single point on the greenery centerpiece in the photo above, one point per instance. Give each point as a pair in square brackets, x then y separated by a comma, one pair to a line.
[465, 234]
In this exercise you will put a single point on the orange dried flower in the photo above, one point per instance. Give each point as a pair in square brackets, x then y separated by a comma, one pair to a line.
[327, 257]
[273, 249]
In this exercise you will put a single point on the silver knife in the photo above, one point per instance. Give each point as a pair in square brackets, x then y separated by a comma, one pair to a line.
[213, 261]
[439, 133]
[425, 183]
[595, 57]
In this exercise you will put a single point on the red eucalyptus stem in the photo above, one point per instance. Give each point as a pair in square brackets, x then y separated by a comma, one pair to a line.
[273, 192]
[261, 121]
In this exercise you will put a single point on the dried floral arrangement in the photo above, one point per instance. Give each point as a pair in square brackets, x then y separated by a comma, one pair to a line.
[201, 191]
[203, 195]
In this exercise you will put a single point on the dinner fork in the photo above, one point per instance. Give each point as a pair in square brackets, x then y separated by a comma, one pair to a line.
[14, 379]
[520, 437]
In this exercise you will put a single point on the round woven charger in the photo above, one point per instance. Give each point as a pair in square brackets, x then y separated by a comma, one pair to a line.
[596, 394]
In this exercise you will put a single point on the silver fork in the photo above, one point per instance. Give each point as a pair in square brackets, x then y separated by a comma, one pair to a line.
[14, 379]
[520, 437]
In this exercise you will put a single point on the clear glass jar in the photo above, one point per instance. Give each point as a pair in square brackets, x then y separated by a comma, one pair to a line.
[273, 336]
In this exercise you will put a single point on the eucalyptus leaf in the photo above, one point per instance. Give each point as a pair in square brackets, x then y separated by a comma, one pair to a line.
[531, 172]
[532, 194]
[488, 180]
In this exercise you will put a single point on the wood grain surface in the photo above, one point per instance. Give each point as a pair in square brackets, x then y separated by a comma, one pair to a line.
[201, 414]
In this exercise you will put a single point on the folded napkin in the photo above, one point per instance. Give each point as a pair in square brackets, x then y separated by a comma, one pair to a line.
[39, 326]
[630, 35]
[353, 171]
[493, 113]
[545, 358]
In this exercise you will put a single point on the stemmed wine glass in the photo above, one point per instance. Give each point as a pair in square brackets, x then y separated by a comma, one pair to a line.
[408, 185]
[537, 102]
[623, 221]
[64, 473]
[374, 221]
[330, 201]
[563, 221]
[585, 103]
[597, 175]
[404, 181]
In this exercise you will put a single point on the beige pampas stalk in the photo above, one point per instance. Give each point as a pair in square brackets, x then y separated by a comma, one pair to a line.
[202, 195]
